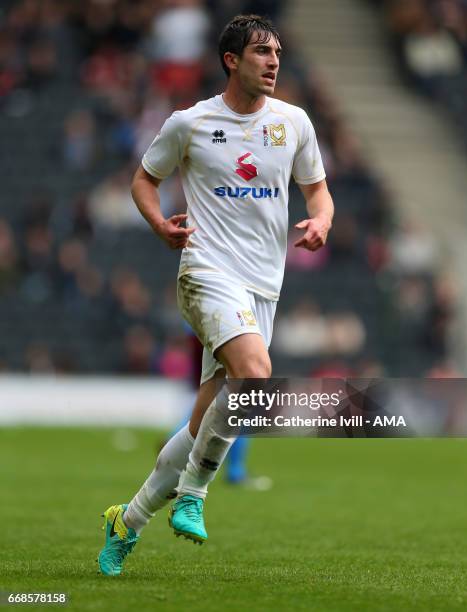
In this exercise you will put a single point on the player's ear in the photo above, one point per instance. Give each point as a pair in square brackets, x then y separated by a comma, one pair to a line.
[231, 60]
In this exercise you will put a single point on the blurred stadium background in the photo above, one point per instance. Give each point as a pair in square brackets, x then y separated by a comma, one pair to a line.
[90, 332]
[87, 289]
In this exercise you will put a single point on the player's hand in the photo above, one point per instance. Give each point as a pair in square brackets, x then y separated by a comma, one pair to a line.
[173, 234]
[316, 232]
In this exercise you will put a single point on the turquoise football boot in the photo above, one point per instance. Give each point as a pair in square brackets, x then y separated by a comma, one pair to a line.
[119, 541]
[186, 518]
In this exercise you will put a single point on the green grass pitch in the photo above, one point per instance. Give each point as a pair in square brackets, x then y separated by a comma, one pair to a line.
[350, 525]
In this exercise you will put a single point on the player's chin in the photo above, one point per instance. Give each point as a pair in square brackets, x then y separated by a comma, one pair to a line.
[267, 90]
[265, 87]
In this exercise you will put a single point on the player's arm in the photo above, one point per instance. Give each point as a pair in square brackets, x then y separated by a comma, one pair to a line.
[320, 209]
[145, 192]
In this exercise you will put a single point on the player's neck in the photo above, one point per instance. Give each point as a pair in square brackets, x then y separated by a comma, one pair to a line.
[241, 102]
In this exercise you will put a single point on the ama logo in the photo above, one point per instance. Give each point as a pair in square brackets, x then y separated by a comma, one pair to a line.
[247, 170]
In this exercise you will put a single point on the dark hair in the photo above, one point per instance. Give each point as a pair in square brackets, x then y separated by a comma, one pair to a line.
[237, 34]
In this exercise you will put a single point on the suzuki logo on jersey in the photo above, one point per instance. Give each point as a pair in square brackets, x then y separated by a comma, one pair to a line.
[247, 170]
[243, 192]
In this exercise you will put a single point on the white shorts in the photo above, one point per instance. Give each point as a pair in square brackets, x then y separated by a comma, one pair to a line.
[219, 309]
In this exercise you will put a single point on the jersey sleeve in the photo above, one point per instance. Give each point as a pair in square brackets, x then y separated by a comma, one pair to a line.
[166, 150]
[307, 166]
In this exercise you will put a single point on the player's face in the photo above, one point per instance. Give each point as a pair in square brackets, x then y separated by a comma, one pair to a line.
[258, 66]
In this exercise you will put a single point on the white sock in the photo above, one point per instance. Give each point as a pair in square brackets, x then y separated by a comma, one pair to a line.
[211, 446]
[159, 487]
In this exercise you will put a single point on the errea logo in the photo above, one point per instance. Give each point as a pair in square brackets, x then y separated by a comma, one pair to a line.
[219, 136]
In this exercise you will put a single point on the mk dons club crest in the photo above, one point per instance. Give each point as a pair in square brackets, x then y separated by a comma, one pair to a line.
[275, 135]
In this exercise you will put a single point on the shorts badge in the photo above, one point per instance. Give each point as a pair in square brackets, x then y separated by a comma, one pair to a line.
[249, 317]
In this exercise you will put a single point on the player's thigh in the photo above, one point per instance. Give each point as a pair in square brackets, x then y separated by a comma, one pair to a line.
[245, 356]
[217, 308]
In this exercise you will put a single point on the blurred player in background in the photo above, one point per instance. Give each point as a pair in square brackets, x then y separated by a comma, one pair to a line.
[236, 152]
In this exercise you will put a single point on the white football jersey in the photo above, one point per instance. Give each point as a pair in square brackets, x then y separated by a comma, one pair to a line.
[235, 172]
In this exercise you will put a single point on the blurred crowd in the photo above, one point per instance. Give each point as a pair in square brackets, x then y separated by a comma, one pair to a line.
[85, 286]
[429, 38]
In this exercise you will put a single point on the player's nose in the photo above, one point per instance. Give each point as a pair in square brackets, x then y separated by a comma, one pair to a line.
[273, 62]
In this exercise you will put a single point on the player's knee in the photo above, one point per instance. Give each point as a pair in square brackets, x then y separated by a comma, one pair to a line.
[260, 369]
[256, 366]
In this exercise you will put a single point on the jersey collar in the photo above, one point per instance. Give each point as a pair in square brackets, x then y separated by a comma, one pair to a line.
[248, 117]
